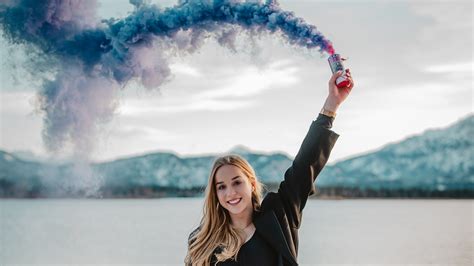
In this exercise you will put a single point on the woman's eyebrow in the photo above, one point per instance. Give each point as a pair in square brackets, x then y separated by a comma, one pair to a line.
[235, 177]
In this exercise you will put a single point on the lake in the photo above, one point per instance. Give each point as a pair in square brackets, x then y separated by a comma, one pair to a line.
[155, 231]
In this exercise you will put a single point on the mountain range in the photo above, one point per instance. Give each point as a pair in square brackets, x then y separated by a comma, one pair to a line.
[433, 163]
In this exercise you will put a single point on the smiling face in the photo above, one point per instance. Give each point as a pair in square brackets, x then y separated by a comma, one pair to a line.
[234, 190]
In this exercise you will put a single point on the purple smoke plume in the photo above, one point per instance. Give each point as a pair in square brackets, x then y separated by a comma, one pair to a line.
[90, 60]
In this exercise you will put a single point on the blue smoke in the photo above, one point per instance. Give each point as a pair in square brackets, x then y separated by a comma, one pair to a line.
[92, 59]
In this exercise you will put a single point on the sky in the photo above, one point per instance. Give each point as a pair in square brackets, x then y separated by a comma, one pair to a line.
[411, 62]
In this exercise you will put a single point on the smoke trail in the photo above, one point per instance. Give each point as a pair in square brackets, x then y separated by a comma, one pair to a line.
[90, 60]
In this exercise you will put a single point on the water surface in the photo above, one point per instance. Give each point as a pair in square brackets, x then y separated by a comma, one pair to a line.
[154, 232]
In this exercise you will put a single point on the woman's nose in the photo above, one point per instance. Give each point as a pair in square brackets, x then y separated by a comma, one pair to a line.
[231, 192]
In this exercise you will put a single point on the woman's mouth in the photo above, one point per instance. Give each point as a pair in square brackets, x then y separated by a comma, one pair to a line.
[234, 201]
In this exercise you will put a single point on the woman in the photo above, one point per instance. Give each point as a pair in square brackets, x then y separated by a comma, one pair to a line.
[237, 228]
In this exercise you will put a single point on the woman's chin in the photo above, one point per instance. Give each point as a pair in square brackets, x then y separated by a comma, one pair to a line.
[235, 210]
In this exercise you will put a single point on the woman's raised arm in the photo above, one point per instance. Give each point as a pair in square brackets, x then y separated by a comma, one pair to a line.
[312, 156]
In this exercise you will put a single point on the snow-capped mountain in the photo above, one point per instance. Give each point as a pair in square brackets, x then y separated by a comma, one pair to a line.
[169, 170]
[436, 160]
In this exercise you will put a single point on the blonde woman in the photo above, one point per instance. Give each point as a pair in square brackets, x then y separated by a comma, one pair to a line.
[237, 227]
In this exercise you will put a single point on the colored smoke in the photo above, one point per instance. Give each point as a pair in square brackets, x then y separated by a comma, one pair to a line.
[84, 61]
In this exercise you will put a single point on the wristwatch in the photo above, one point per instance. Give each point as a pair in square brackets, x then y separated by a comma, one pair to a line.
[327, 112]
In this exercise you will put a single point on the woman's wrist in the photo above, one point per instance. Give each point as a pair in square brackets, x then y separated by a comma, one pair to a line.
[330, 106]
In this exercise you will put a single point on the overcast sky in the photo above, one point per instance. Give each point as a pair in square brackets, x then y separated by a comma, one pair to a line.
[411, 62]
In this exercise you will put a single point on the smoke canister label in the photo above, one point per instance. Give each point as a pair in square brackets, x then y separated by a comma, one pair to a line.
[335, 62]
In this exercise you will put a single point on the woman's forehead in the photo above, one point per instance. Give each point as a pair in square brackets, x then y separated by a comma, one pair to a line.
[226, 173]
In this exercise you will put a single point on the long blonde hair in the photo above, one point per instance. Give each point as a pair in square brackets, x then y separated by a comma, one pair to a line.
[215, 229]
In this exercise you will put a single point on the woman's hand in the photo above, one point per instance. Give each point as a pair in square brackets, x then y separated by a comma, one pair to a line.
[337, 95]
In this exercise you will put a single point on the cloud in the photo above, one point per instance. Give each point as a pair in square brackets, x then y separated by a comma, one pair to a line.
[409, 100]
[466, 67]
[249, 81]
[143, 132]
[186, 69]
[459, 16]
[446, 31]
[17, 102]
[139, 108]
[232, 88]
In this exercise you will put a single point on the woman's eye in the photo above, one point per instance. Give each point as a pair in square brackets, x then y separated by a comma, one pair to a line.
[237, 183]
[220, 187]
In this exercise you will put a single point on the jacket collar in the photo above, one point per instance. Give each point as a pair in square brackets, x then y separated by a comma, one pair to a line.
[266, 223]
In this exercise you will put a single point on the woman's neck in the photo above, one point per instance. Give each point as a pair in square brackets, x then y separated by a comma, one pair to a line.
[242, 220]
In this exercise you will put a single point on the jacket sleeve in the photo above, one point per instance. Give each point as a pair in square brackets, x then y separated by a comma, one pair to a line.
[298, 183]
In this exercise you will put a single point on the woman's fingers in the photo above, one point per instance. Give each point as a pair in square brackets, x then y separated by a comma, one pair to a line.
[348, 73]
[332, 81]
[351, 85]
[349, 76]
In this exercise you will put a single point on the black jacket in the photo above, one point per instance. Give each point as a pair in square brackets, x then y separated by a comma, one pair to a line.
[280, 214]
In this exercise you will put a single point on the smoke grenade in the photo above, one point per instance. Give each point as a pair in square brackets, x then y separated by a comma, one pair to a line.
[335, 62]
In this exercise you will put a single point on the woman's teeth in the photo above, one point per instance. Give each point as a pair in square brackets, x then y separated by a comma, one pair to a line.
[234, 202]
